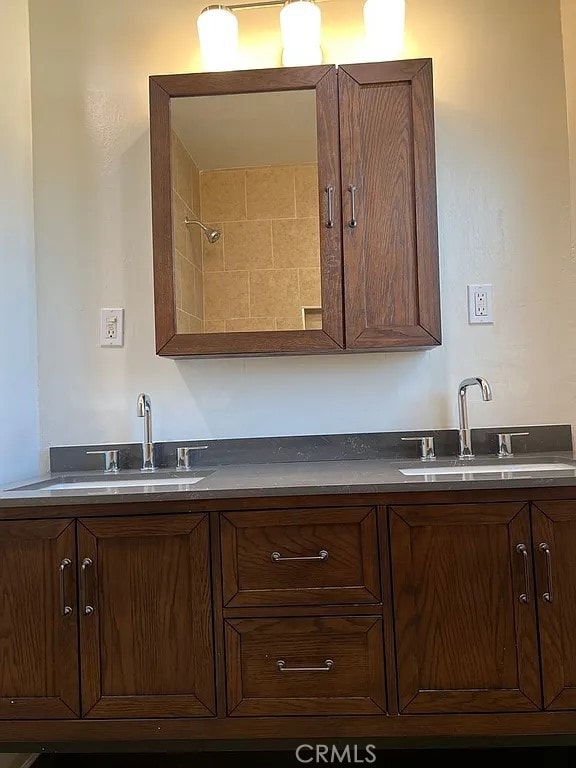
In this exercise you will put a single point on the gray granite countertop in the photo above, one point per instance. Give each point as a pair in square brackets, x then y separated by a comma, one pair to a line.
[293, 479]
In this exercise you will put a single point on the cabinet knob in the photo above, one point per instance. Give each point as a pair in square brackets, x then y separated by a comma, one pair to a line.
[426, 447]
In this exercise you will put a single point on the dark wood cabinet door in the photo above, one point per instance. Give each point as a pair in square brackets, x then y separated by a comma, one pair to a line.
[554, 534]
[38, 621]
[464, 606]
[145, 617]
[391, 282]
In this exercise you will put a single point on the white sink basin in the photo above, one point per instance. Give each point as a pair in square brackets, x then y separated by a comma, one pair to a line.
[109, 483]
[485, 469]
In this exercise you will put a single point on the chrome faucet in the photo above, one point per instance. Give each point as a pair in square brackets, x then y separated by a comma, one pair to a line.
[144, 411]
[464, 431]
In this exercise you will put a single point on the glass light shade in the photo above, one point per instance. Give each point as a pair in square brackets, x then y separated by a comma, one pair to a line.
[384, 22]
[300, 23]
[218, 34]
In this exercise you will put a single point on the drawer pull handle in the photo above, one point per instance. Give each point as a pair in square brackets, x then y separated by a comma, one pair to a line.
[281, 664]
[276, 557]
[525, 596]
[547, 596]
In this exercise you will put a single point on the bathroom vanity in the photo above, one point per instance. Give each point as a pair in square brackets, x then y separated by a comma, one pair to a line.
[339, 599]
[294, 210]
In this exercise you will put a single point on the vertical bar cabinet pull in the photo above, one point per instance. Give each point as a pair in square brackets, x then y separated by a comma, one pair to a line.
[86, 563]
[543, 547]
[524, 596]
[65, 608]
[353, 221]
[330, 192]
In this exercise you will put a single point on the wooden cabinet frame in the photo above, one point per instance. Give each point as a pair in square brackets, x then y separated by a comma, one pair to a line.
[169, 342]
[553, 521]
[379, 268]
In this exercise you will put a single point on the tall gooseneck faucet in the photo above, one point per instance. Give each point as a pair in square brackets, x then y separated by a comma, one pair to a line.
[464, 431]
[144, 411]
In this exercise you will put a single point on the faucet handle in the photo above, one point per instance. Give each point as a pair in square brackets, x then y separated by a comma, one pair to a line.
[426, 447]
[505, 442]
[184, 460]
[111, 459]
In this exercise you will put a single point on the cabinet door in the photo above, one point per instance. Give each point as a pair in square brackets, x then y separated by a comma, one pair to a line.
[390, 237]
[38, 621]
[554, 532]
[146, 624]
[464, 607]
[255, 155]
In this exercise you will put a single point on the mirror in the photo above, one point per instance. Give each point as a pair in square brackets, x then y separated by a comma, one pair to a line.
[244, 178]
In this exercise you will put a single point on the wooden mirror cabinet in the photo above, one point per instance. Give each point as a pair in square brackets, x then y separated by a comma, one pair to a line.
[294, 210]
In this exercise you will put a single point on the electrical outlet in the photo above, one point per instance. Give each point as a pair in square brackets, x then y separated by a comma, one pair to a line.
[111, 327]
[480, 304]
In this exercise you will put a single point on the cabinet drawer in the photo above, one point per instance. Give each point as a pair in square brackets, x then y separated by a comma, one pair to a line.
[317, 666]
[300, 557]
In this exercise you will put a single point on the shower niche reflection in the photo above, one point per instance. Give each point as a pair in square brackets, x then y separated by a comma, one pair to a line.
[245, 212]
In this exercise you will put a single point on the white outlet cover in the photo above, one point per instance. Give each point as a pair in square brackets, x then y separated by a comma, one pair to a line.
[481, 319]
[111, 327]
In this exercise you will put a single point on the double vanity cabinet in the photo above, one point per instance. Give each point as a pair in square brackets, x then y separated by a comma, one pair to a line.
[294, 210]
[345, 616]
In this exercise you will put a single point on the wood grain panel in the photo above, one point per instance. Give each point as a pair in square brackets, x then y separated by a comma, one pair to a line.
[38, 643]
[425, 201]
[391, 281]
[192, 731]
[465, 642]
[348, 575]
[354, 685]
[241, 81]
[163, 246]
[217, 603]
[147, 649]
[554, 524]
[389, 239]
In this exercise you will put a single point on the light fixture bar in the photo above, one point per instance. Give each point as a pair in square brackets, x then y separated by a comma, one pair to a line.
[252, 6]
[263, 4]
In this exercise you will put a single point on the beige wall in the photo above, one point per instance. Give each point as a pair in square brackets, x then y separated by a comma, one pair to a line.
[19, 370]
[266, 265]
[187, 240]
[569, 37]
[503, 192]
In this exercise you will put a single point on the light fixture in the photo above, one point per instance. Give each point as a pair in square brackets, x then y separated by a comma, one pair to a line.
[218, 34]
[300, 22]
[384, 22]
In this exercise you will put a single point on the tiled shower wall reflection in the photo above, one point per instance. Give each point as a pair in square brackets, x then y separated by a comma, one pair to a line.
[187, 240]
[266, 265]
